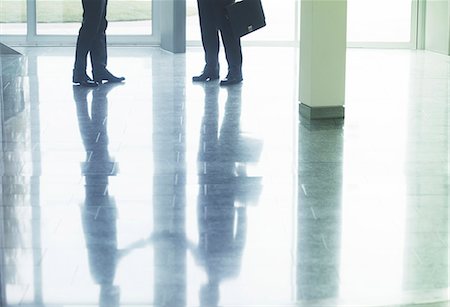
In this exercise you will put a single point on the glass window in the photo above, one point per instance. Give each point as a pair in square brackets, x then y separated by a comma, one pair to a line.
[280, 17]
[130, 17]
[379, 20]
[13, 17]
[125, 17]
[192, 22]
[58, 16]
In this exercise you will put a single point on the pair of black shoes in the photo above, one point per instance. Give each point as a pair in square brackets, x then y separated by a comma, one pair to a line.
[208, 75]
[83, 79]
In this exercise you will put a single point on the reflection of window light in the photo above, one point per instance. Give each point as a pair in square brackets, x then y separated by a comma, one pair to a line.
[374, 210]
[372, 254]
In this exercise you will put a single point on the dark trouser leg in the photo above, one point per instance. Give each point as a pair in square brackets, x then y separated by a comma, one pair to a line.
[99, 54]
[92, 13]
[232, 44]
[210, 33]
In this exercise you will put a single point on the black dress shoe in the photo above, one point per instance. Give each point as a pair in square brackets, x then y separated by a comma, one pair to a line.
[105, 75]
[206, 76]
[82, 79]
[231, 79]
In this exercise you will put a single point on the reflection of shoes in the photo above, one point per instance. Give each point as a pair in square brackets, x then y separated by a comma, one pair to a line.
[80, 93]
[83, 79]
[105, 75]
[231, 79]
[105, 88]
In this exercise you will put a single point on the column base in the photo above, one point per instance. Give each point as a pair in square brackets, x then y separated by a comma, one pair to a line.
[321, 112]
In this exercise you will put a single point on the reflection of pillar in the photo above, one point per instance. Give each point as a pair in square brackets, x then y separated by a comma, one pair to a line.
[319, 210]
[19, 131]
[427, 224]
[35, 180]
[2, 273]
[169, 181]
[322, 58]
[2, 172]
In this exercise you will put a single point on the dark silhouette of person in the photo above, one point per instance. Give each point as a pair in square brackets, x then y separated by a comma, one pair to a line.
[222, 216]
[99, 211]
[213, 19]
[92, 40]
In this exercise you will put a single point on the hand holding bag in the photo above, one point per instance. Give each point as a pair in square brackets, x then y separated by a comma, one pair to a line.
[246, 16]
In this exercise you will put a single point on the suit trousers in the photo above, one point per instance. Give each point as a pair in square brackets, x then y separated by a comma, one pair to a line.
[213, 19]
[92, 36]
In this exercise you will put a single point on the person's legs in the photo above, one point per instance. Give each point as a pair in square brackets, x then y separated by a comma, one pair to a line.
[207, 10]
[86, 37]
[99, 55]
[233, 52]
[98, 52]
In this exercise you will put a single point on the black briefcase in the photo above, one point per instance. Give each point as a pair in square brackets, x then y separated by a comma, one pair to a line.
[246, 16]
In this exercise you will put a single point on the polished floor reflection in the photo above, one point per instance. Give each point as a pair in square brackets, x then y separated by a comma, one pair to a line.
[161, 192]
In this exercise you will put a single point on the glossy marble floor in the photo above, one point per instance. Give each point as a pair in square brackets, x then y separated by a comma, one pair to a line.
[161, 192]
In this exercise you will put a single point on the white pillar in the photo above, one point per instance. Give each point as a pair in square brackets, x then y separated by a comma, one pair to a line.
[323, 43]
[173, 25]
[437, 26]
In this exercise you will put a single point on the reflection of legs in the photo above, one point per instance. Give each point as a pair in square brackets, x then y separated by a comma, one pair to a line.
[230, 129]
[93, 128]
[100, 230]
[210, 40]
[84, 120]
